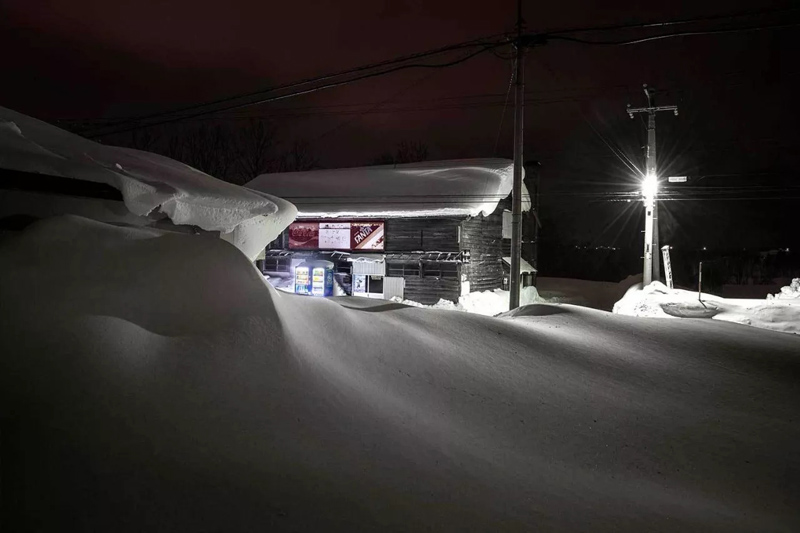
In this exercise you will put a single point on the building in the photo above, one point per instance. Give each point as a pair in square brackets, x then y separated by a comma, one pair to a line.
[420, 231]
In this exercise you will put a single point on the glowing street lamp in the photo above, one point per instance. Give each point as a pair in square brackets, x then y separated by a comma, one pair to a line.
[649, 191]
[649, 186]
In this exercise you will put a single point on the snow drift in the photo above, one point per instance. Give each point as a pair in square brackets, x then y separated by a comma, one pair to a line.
[464, 187]
[141, 393]
[657, 300]
[486, 303]
[148, 182]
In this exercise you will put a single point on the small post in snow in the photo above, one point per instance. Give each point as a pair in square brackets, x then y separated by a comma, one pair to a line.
[667, 266]
[700, 283]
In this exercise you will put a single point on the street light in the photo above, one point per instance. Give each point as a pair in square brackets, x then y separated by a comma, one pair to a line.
[649, 185]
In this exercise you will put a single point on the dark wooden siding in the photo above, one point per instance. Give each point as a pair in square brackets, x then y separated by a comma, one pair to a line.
[483, 237]
[422, 234]
[428, 290]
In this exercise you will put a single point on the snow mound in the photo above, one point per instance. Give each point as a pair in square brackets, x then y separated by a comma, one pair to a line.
[148, 182]
[595, 294]
[486, 303]
[658, 301]
[789, 292]
[139, 391]
[463, 187]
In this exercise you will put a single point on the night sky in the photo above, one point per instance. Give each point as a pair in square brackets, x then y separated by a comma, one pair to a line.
[737, 124]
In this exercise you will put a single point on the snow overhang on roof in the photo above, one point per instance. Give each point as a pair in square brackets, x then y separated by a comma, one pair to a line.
[464, 187]
[149, 183]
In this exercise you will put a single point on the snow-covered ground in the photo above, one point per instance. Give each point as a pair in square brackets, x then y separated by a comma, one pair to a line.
[656, 300]
[144, 392]
[595, 294]
[486, 303]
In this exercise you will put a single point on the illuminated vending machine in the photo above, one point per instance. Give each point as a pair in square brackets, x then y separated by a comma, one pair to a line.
[302, 279]
[321, 278]
[315, 278]
[318, 281]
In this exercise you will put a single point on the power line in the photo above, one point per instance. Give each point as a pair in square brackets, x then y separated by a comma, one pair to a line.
[503, 114]
[485, 43]
[655, 24]
[403, 59]
[673, 35]
[299, 93]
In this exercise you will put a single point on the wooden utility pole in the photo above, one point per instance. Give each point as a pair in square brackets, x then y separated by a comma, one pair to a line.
[516, 193]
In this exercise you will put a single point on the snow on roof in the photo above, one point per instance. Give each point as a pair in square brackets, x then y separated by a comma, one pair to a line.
[148, 182]
[524, 266]
[464, 187]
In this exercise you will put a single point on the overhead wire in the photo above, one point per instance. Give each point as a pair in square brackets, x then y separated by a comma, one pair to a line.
[485, 44]
[672, 35]
[503, 114]
[316, 79]
[299, 93]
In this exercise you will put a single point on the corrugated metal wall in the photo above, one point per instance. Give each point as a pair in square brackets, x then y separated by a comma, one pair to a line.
[393, 287]
[369, 268]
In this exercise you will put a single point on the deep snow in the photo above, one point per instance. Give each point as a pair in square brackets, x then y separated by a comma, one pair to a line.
[144, 392]
[148, 182]
[657, 300]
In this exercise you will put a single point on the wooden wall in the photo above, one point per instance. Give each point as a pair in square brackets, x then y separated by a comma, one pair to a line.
[429, 290]
[422, 234]
[483, 237]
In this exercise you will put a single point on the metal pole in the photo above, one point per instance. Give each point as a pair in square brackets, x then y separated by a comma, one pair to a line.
[516, 195]
[700, 283]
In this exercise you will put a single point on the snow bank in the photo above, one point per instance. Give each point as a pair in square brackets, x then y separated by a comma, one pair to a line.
[595, 294]
[487, 303]
[148, 182]
[789, 292]
[657, 300]
[465, 187]
[141, 392]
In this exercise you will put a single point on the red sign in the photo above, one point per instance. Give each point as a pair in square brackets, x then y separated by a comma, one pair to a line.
[366, 236]
[304, 236]
[336, 236]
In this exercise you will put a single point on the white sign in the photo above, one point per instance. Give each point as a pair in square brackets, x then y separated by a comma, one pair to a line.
[334, 235]
[677, 179]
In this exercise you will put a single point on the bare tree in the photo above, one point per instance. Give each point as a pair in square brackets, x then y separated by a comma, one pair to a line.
[411, 152]
[210, 149]
[145, 139]
[407, 152]
[298, 158]
[254, 150]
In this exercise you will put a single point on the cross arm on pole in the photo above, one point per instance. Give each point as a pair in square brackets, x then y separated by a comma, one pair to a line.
[654, 109]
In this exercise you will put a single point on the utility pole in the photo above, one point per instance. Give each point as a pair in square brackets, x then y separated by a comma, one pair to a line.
[516, 193]
[651, 267]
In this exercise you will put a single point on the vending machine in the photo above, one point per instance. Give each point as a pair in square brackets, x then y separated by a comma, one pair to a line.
[315, 278]
[302, 279]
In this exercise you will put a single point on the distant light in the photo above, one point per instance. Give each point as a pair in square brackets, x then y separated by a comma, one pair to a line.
[704, 248]
[649, 185]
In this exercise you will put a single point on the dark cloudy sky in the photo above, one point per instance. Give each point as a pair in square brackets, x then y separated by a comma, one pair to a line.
[92, 59]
